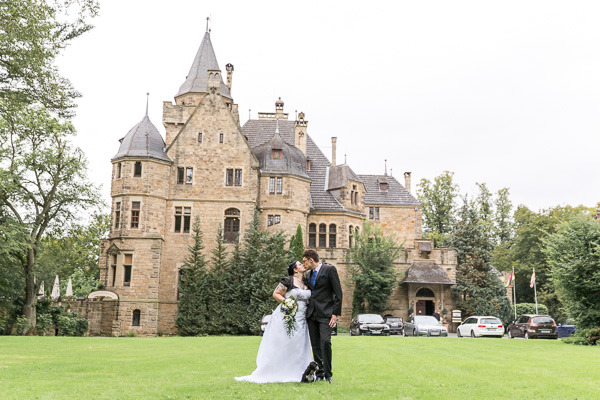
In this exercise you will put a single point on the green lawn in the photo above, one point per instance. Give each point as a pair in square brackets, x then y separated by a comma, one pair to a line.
[364, 367]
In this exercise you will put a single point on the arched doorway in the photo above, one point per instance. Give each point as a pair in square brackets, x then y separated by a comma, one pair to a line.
[425, 302]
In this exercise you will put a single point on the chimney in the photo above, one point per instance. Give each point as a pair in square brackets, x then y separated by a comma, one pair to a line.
[333, 141]
[214, 81]
[229, 68]
[407, 181]
[300, 126]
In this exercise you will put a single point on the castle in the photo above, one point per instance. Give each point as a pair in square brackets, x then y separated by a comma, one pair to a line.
[209, 165]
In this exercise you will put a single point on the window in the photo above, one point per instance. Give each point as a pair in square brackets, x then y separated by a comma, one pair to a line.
[238, 177]
[273, 220]
[137, 169]
[373, 212]
[308, 165]
[136, 318]
[117, 214]
[425, 292]
[113, 270]
[232, 225]
[180, 281]
[279, 185]
[119, 170]
[180, 175]
[185, 175]
[350, 236]
[332, 235]
[135, 214]
[220, 138]
[199, 137]
[383, 186]
[127, 269]
[312, 235]
[322, 235]
[272, 185]
[276, 154]
[189, 173]
[229, 177]
[183, 216]
[275, 185]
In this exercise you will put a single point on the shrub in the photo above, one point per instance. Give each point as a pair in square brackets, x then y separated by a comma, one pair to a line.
[43, 322]
[130, 333]
[529, 308]
[23, 325]
[584, 337]
[70, 325]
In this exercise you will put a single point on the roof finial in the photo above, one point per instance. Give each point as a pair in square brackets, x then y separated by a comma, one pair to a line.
[249, 113]
[345, 159]
[385, 166]
[207, 19]
[147, 99]
[277, 126]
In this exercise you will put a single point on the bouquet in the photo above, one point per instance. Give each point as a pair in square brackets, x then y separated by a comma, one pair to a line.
[289, 307]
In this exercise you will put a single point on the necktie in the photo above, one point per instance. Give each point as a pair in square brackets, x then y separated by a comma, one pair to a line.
[313, 278]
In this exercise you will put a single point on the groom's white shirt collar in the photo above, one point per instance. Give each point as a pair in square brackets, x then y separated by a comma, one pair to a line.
[318, 268]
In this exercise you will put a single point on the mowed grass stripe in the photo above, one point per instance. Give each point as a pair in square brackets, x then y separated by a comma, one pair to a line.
[364, 367]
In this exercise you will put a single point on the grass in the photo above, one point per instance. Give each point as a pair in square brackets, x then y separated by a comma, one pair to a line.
[364, 367]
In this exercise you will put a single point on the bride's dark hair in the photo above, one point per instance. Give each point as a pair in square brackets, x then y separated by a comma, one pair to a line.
[291, 267]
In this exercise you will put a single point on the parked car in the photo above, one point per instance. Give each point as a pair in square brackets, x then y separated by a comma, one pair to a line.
[369, 324]
[533, 326]
[263, 323]
[477, 326]
[566, 329]
[424, 325]
[395, 323]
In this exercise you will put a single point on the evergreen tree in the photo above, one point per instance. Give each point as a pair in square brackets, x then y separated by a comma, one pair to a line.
[192, 311]
[478, 290]
[218, 296]
[372, 270]
[297, 244]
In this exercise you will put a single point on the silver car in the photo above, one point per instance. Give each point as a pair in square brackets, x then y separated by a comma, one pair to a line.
[424, 325]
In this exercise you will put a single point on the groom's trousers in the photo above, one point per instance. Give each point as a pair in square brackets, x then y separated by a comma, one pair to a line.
[320, 340]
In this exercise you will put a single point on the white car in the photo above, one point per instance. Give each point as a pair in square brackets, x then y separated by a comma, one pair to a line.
[481, 326]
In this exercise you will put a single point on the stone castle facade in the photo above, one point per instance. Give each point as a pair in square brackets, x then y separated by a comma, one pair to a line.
[209, 165]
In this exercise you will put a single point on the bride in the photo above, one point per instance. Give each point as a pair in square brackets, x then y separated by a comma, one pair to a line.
[282, 358]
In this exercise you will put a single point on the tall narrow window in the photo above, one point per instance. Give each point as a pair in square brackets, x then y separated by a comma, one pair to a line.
[135, 214]
[312, 235]
[350, 236]
[127, 264]
[322, 235]
[269, 220]
[117, 215]
[220, 138]
[279, 185]
[308, 165]
[272, 185]
[113, 270]
[232, 225]
[137, 169]
[277, 219]
[229, 177]
[189, 173]
[238, 177]
[179, 282]
[332, 235]
[136, 318]
[199, 137]
[376, 212]
[180, 175]
[119, 169]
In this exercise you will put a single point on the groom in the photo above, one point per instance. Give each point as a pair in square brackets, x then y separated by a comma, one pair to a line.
[324, 307]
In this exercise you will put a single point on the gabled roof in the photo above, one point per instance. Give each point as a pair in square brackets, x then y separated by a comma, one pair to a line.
[395, 195]
[339, 175]
[197, 79]
[426, 272]
[143, 140]
[260, 131]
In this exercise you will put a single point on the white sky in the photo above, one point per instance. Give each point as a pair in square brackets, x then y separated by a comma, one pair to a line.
[504, 92]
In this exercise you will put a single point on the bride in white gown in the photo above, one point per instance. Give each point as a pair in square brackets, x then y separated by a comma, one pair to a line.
[282, 358]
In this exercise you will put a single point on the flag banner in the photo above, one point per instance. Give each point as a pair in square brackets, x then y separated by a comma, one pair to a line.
[511, 279]
[532, 280]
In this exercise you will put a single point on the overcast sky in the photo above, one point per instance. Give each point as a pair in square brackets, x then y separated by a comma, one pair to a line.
[506, 93]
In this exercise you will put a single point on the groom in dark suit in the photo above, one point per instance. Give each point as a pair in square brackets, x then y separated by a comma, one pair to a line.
[324, 308]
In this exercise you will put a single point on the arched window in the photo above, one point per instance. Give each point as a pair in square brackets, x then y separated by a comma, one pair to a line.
[232, 225]
[350, 236]
[332, 235]
[136, 318]
[312, 236]
[322, 235]
[425, 292]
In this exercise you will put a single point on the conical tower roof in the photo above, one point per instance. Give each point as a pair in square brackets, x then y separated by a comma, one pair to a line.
[143, 140]
[197, 79]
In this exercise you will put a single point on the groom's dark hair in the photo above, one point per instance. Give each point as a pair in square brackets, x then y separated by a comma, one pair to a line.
[310, 253]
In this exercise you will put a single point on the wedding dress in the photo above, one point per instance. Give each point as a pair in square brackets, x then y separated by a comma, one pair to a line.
[281, 358]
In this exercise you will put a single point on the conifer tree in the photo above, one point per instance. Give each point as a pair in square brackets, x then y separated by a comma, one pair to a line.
[192, 311]
[297, 244]
[218, 288]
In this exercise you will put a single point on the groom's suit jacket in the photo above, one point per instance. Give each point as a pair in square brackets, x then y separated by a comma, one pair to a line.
[326, 294]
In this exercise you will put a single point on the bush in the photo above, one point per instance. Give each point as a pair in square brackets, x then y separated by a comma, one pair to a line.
[69, 325]
[23, 325]
[529, 308]
[584, 337]
[42, 323]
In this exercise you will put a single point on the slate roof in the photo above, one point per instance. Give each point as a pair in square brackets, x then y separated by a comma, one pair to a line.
[259, 131]
[339, 175]
[426, 272]
[395, 195]
[292, 160]
[197, 79]
[143, 140]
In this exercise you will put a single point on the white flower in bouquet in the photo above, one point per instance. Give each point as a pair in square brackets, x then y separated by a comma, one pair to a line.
[289, 307]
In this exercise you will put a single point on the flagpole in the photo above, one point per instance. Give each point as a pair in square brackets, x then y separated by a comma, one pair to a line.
[535, 292]
[514, 291]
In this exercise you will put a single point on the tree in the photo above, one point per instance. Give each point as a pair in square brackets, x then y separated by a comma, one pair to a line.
[573, 253]
[485, 209]
[438, 200]
[192, 311]
[372, 269]
[503, 220]
[297, 244]
[217, 293]
[478, 290]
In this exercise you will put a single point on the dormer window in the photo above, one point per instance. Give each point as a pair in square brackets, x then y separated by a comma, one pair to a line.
[383, 186]
[276, 154]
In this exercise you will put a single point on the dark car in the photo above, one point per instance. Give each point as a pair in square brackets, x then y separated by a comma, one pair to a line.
[369, 324]
[263, 323]
[533, 326]
[395, 324]
[566, 329]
